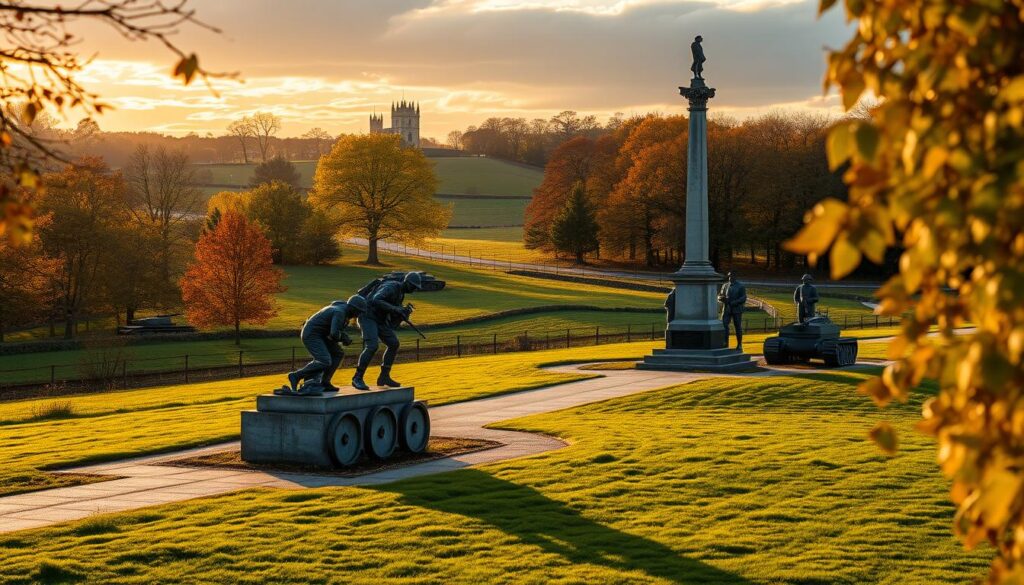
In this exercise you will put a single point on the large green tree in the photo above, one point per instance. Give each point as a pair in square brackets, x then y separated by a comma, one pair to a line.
[282, 212]
[376, 188]
[276, 169]
[937, 165]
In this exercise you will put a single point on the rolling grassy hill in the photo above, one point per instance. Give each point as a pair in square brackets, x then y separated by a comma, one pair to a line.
[489, 192]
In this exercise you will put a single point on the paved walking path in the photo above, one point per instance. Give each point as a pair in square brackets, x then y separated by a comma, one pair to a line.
[146, 481]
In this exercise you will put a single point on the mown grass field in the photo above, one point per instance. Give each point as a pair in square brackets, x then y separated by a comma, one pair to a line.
[732, 480]
[470, 291]
[169, 356]
[458, 175]
[485, 176]
[500, 234]
[44, 433]
[485, 211]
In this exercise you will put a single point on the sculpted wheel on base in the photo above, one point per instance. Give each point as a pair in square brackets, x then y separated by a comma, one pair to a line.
[381, 432]
[415, 428]
[344, 439]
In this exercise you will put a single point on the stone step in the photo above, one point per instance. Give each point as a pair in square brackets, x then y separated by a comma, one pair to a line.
[716, 360]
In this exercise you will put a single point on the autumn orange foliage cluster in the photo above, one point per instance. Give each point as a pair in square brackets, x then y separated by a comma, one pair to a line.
[233, 278]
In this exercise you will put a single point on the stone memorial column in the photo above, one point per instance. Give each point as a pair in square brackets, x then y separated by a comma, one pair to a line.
[695, 339]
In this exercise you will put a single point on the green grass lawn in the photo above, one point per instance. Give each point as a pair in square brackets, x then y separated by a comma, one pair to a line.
[733, 480]
[44, 433]
[169, 356]
[458, 175]
[485, 176]
[469, 292]
[500, 234]
[485, 211]
[839, 309]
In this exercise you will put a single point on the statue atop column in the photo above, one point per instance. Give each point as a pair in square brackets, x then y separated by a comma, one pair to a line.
[698, 57]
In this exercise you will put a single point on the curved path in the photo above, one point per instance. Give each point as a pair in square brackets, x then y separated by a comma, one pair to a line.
[144, 481]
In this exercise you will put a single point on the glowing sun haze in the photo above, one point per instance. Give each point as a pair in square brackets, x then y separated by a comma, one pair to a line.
[331, 63]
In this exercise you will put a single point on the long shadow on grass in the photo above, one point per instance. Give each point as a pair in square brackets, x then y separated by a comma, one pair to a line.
[551, 525]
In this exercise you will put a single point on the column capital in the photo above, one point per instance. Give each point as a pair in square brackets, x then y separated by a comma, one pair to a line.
[697, 94]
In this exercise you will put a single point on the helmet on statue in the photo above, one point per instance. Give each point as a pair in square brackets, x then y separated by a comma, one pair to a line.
[358, 304]
[413, 281]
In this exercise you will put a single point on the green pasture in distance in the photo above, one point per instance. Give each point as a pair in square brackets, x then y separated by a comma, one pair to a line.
[494, 234]
[457, 175]
[485, 211]
[486, 176]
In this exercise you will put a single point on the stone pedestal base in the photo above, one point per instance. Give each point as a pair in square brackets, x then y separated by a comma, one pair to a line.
[704, 360]
[334, 429]
[696, 339]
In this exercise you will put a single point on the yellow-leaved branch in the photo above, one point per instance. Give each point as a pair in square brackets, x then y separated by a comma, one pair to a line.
[939, 168]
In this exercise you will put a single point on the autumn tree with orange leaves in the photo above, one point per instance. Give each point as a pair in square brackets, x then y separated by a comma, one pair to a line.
[233, 278]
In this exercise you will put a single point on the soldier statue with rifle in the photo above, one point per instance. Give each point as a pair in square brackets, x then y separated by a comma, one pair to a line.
[386, 312]
[733, 297]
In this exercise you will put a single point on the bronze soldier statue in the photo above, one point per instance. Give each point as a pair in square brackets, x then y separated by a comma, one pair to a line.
[670, 306]
[806, 297]
[321, 334]
[733, 297]
[386, 312]
[698, 57]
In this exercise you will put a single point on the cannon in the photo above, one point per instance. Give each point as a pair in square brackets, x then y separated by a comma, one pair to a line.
[430, 282]
[336, 429]
[815, 338]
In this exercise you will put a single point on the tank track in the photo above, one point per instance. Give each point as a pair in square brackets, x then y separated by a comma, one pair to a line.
[775, 351]
[839, 352]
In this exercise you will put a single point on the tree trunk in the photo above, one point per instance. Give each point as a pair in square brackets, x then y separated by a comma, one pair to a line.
[371, 255]
[129, 315]
[579, 258]
[69, 325]
[238, 332]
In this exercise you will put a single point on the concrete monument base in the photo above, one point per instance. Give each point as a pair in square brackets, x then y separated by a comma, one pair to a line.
[335, 429]
[703, 360]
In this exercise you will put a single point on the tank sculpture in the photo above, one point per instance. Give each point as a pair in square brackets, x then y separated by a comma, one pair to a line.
[430, 282]
[158, 324]
[335, 429]
[813, 336]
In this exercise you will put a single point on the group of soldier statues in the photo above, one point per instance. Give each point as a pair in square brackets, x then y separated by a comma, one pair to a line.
[733, 296]
[378, 307]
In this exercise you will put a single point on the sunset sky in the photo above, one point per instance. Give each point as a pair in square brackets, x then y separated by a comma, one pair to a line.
[330, 63]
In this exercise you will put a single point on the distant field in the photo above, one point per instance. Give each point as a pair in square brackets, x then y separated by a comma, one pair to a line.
[486, 212]
[485, 176]
[498, 234]
[479, 177]
[458, 175]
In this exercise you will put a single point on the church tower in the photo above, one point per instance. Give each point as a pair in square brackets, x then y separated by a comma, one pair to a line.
[405, 121]
[376, 124]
